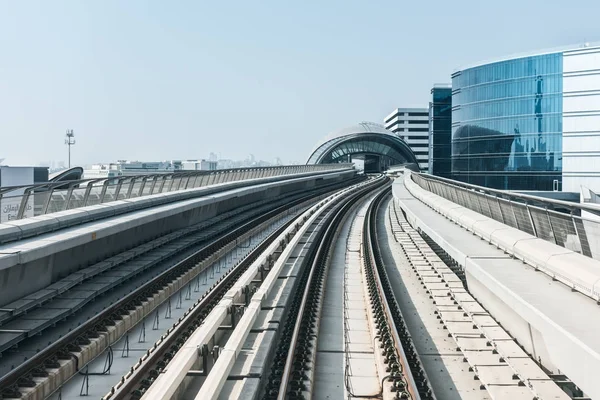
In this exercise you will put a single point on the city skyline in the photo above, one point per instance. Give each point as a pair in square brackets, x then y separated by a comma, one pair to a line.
[169, 82]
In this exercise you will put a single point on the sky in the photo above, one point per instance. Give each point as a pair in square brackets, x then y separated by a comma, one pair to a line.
[159, 80]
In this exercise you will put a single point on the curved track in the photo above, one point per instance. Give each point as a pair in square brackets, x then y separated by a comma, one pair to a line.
[404, 375]
[261, 306]
[28, 373]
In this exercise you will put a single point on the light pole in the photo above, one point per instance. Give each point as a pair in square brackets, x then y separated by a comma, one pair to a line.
[70, 141]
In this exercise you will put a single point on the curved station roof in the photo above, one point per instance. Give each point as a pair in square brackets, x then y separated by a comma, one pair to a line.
[70, 174]
[365, 138]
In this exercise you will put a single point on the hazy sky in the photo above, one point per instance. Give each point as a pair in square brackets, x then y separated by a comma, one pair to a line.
[152, 80]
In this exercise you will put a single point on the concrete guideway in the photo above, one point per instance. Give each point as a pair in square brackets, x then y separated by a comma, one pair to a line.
[42, 260]
[173, 380]
[48, 308]
[347, 364]
[91, 329]
[141, 338]
[552, 323]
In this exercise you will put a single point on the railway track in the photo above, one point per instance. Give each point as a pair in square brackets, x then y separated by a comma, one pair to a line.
[251, 305]
[391, 367]
[70, 349]
[260, 333]
[314, 311]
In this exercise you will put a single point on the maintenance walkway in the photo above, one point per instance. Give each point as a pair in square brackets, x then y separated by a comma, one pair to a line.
[554, 323]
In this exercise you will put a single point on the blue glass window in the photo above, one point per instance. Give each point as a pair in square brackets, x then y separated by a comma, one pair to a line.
[440, 125]
[507, 123]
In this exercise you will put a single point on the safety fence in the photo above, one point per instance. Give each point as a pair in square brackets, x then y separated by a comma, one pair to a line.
[19, 202]
[575, 226]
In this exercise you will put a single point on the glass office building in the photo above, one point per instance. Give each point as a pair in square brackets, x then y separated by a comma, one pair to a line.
[507, 123]
[440, 131]
[412, 126]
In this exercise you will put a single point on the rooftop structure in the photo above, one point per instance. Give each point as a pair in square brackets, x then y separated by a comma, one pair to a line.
[377, 146]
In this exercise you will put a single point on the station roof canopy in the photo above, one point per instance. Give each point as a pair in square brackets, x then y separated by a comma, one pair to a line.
[365, 138]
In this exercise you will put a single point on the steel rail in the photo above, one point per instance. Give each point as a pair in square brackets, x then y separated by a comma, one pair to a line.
[161, 280]
[318, 258]
[208, 301]
[410, 363]
[370, 261]
[166, 385]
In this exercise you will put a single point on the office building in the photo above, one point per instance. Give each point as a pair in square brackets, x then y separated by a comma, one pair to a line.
[412, 126]
[440, 131]
[133, 168]
[529, 122]
[199, 165]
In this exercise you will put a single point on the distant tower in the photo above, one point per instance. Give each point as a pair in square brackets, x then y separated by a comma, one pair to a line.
[70, 141]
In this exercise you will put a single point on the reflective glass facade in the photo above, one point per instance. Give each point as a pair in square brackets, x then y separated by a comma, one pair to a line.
[440, 132]
[507, 123]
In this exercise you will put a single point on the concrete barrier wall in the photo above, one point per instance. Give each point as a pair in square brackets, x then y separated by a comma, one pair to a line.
[32, 264]
[31, 227]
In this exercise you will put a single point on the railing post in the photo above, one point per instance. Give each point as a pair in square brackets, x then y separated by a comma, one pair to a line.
[153, 183]
[24, 201]
[103, 191]
[130, 187]
[204, 180]
[184, 177]
[501, 213]
[45, 209]
[512, 209]
[551, 226]
[196, 176]
[69, 194]
[531, 220]
[487, 203]
[172, 182]
[585, 251]
[88, 190]
[118, 189]
[162, 183]
[141, 189]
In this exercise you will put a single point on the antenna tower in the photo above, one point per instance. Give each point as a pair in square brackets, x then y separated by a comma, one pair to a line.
[70, 141]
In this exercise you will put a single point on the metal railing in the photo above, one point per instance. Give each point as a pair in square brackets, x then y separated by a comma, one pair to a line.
[575, 226]
[19, 202]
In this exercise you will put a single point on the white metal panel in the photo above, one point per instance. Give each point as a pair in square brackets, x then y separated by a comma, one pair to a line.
[588, 142]
[580, 83]
[573, 184]
[581, 123]
[581, 165]
[582, 61]
[581, 103]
